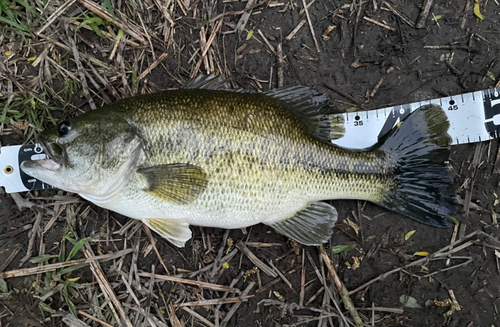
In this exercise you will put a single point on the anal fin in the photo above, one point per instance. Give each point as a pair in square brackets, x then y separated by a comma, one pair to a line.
[176, 231]
[312, 225]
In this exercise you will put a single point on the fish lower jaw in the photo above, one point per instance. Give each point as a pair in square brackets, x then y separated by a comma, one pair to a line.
[49, 164]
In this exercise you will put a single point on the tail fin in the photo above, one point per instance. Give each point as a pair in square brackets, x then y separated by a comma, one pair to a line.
[423, 188]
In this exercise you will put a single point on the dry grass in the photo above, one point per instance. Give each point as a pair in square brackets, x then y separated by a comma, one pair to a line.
[61, 57]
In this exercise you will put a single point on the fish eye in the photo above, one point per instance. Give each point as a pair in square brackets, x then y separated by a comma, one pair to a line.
[64, 128]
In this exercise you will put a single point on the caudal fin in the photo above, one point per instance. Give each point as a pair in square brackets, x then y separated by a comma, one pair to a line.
[419, 149]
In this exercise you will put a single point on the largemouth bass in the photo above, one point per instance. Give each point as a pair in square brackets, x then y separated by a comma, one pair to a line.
[205, 155]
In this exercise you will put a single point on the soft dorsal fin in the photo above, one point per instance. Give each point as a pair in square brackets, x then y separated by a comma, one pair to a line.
[312, 225]
[177, 183]
[313, 109]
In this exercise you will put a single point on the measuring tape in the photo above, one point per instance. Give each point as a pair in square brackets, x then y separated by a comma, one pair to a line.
[473, 117]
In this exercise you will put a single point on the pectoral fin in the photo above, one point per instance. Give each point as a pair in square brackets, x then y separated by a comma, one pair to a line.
[312, 225]
[176, 183]
[175, 231]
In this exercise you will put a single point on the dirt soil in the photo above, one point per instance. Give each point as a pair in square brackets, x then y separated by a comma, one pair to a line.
[374, 67]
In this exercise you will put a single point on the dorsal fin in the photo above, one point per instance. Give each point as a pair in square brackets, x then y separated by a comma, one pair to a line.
[314, 110]
[208, 82]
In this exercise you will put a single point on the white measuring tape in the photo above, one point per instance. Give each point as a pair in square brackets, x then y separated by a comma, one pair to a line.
[473, 117]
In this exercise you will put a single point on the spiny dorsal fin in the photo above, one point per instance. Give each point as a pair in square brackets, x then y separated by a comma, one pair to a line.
[208, 82]
[176, 183]
[313, 109]
[312, 225]
[176, 231]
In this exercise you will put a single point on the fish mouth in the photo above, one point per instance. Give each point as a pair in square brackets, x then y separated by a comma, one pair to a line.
[53, 162]
[54, 152]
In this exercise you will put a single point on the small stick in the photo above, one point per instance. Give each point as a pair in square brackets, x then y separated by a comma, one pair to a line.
[342, 93]
[315, 295]
[376, 22]
[302, 280]
[152, 66]
[83, 313]
[114, 304]
[235, 306]
[11, 257]
[267, 42]
[295, 30]
[439, 253]
[198, 316]
[422, 18]
[32, 235]
[215, 301]
[280, 274]
[103, 13]
[281, 64]
[453, 239]
[310, 25]
[400, 15]
[55, 266]
[214, 287]
[55, 14]
[242, 22]
[153, 243]
[256, 261]
[344, 293]
[262, 245]
[375, 89]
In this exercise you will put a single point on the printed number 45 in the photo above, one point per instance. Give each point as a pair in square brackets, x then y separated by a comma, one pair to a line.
[453, 107]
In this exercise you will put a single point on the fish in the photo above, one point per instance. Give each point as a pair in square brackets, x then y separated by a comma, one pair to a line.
[207, 155]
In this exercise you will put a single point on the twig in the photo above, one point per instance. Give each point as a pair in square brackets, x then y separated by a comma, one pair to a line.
[242, 22]
[81, 71]
[281, 64]
[295, 30]
[11, 257]
[214, 287]
[235, 306]
[114, 304]
[266, 41]
[420, 261]
[256, 261]
[342, 93]
[302, 280]
[280, 274]
[400, 15]
[55, 14]
[214, 301]
[198, 316]
[83, 313]
[152, 66]
[103, 13]
[310, 25]
[376, 22]
[36, 230]
[422, 18]
[344, 293]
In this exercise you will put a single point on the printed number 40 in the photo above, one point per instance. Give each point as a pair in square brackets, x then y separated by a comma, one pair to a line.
[453, 107]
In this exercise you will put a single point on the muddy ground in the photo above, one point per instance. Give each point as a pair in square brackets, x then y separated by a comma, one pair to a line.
[466, 49]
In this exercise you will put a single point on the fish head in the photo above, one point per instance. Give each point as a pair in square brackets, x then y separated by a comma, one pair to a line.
[93, 154]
